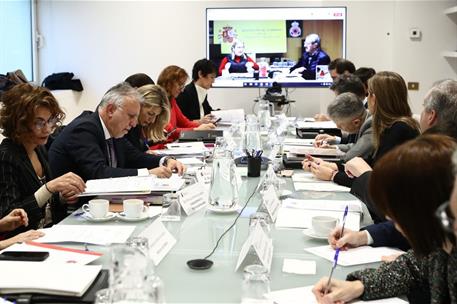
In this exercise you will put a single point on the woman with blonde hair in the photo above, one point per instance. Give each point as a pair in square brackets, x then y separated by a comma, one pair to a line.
[154, 116]
[173, 79]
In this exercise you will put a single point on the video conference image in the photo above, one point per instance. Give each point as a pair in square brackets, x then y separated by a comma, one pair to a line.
[255, 47]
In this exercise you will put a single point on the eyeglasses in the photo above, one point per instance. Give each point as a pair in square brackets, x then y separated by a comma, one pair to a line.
[40, 123]
[443, 213]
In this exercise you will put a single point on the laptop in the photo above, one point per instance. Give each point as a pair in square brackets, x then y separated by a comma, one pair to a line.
[206, 136]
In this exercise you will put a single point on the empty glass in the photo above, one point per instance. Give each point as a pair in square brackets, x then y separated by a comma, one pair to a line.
[255, 286]
[171, 208]
[140, 243]
[104, 296]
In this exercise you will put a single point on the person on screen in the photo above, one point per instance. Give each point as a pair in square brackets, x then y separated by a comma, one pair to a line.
[237, 61]
[311, 58]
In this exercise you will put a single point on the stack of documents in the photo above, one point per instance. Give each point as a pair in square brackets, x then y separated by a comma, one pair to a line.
[132, 185]
[57, 254]
[327, 205]
[354, 256]
[316, 125]
[90, 234]
[187, 149]
[229, 116]
[47, 278]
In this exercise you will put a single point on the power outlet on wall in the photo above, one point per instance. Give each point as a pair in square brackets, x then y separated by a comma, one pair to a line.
[413, 86]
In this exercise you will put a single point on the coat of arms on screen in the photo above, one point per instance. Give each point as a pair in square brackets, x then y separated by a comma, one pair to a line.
[295, 30]
[227, 34]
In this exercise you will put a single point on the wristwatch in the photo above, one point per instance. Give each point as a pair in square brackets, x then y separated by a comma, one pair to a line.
[165, 161]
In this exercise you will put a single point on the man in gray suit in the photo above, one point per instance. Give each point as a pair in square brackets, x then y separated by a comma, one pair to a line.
[349, 115]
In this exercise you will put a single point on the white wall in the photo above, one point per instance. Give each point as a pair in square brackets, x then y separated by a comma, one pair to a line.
[103, 42]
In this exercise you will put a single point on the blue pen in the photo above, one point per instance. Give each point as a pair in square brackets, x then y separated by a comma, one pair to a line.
[337, 251]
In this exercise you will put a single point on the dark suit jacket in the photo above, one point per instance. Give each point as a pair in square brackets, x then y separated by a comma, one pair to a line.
[19, 182]
[188, 102]
[385, 234]
[134, 137]
[81, 148]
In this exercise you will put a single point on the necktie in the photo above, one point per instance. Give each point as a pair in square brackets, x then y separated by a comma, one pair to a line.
[111, 154]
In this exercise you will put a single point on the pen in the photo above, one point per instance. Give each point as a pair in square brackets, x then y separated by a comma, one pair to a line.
[337, 251]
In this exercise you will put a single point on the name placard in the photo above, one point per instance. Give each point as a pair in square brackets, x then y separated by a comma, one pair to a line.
[160, 241]
[193, 198]
[262, 247]
[271, 202]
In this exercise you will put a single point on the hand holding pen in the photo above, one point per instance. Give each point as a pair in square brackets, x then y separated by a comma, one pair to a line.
[337, 252]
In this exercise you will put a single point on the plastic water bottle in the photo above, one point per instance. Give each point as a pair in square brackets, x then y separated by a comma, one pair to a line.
[263, 115]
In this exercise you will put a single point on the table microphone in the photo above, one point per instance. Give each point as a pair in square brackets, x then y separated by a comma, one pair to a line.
[202, 264]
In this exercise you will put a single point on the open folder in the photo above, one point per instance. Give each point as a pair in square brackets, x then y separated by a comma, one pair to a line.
[132, 185]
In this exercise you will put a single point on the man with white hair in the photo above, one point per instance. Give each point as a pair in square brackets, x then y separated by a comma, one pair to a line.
[311, 58]
[93, 144]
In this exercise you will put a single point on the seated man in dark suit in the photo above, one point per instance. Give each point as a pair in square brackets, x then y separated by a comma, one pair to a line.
[193, 100]
[93, 145]
[311, 58]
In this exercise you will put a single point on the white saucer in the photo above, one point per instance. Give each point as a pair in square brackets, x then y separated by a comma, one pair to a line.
[144, 216]
[216, 209]
[90, 218]
[310, 233]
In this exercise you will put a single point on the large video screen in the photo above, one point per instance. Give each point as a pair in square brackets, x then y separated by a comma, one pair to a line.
[254, 47]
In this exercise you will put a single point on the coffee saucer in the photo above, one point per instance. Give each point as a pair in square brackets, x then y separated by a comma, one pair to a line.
[143, 216]
[109, 216]
[310, 233]
[217, 209]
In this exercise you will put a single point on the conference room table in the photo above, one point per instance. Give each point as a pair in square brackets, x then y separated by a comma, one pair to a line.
[197, 234]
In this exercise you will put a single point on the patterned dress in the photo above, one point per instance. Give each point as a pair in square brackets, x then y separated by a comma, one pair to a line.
[438, 271]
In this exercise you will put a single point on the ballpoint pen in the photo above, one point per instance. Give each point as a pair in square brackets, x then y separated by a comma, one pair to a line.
[337, 252]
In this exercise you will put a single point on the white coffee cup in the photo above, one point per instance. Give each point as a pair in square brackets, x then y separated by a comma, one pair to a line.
[98, 208]
[322, 225]
[133, 208]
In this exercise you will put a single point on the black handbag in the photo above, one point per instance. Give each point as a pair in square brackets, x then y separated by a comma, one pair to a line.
[62, 81]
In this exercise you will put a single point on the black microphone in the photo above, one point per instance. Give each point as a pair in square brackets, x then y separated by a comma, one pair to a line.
[202, 264]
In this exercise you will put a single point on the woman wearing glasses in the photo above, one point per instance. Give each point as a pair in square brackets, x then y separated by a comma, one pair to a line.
[408, 185]
[173, 79]
[28, 116]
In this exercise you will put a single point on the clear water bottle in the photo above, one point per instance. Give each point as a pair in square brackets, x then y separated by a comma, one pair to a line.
[252, 137]
[223, 192]
[263, 115]
[256, 284]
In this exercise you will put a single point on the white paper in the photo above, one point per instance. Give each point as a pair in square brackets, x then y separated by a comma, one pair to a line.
[91, 234]
[299, 266]
[354, 256]
[262, 245]
[190, 161]
[182, 151]
[302, 295]
[332, 205]
[306, 177]
[301, 218]
[132, 185]
[193, 198]
[154, 211]
[57, 254]
[197, 145]
[49, 278]
[321, 187]
[160, 241]
[316, 125]
[314, 151]
[229, 115]
[298, 142]
[271, 202]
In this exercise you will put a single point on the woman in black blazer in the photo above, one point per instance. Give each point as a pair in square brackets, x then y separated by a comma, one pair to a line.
[28, 116]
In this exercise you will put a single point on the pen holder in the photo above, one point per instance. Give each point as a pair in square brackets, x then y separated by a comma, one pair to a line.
[254, 164]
